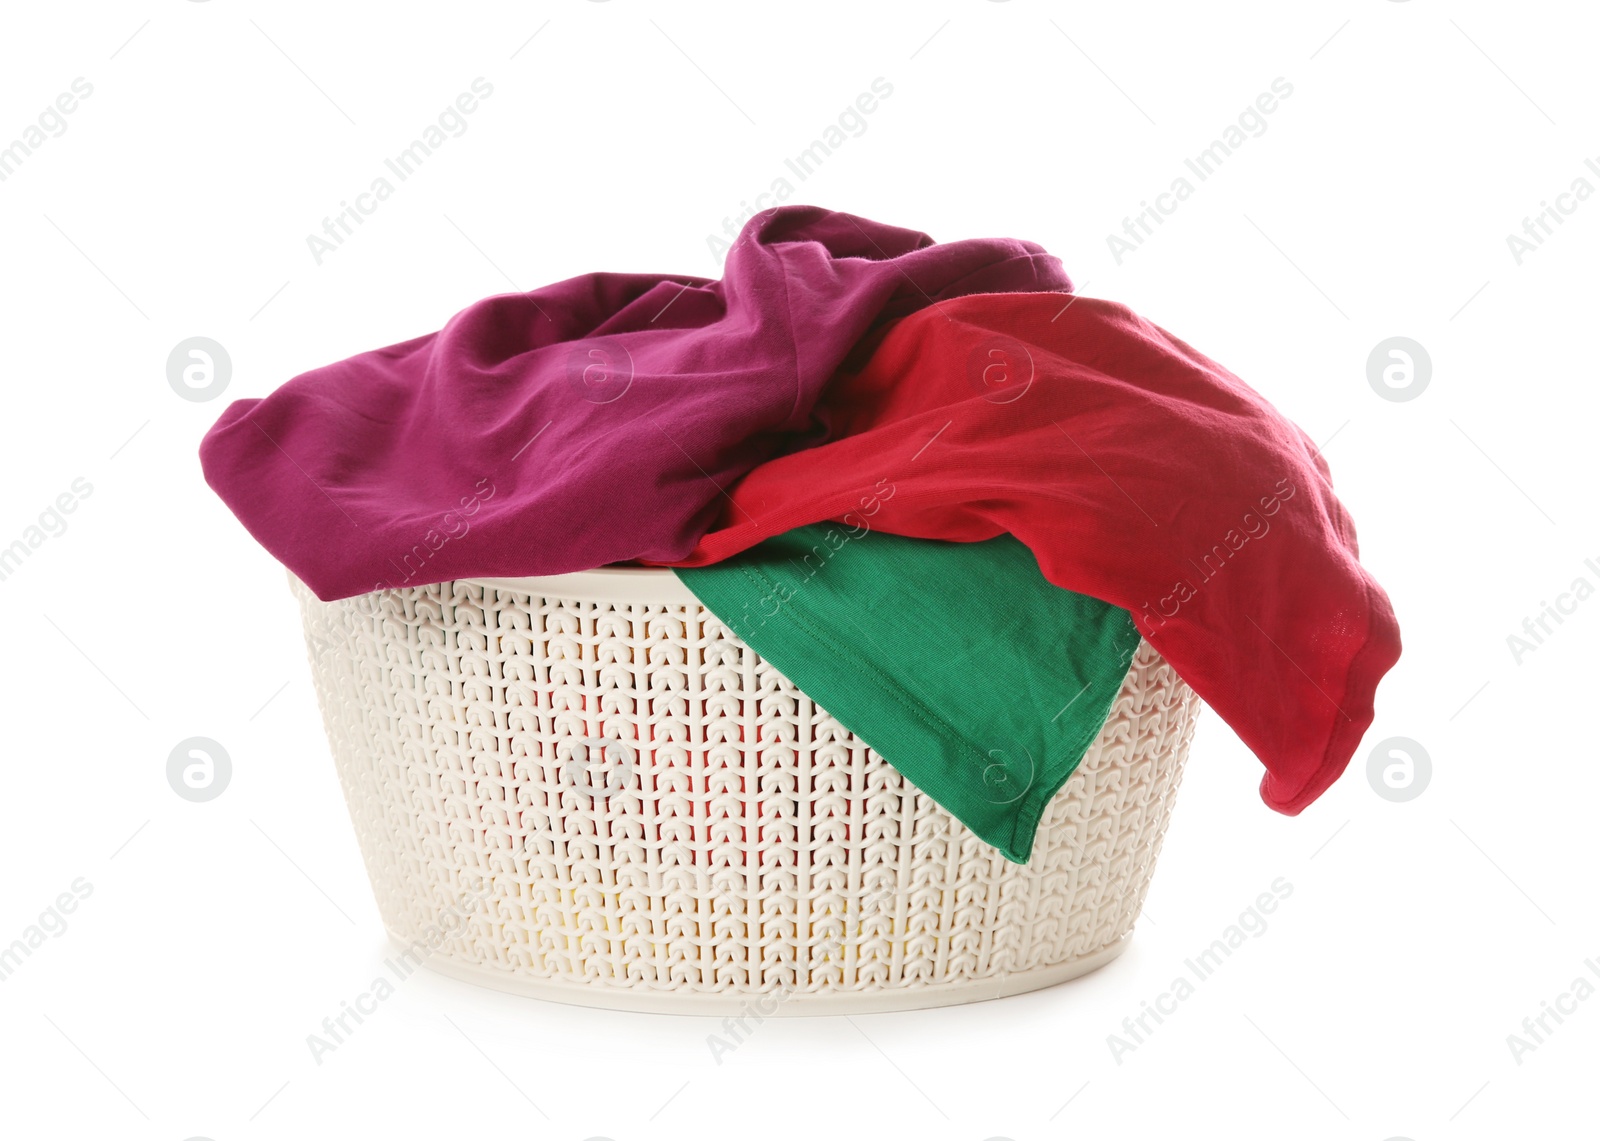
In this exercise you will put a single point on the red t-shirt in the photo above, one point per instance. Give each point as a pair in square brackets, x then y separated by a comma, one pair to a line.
[1138, 472]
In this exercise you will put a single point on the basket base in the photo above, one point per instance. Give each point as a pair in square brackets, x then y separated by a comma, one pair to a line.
[643, 1001]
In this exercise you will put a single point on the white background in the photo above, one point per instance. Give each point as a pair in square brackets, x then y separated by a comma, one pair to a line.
[178, 999]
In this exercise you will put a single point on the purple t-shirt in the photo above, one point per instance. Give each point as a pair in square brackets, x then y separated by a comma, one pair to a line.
[593, 421]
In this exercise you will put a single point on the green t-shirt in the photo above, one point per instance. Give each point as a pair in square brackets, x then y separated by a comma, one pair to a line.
[959, 663]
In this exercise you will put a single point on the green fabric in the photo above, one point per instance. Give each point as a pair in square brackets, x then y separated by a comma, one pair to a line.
[977, 679]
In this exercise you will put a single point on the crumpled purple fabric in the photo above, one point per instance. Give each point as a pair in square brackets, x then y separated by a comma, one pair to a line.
[592, 421]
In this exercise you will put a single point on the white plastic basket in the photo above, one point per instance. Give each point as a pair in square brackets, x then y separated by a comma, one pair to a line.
[586, 788]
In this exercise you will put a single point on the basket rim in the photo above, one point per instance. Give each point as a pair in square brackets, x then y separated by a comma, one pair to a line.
[642, 585]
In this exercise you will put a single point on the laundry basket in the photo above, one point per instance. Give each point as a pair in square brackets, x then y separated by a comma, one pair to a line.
[586, 788]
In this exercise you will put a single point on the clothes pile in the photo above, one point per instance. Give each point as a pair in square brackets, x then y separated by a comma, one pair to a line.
[934, 487]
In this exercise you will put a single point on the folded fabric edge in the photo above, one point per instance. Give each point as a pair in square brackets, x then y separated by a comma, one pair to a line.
[1367, 667]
